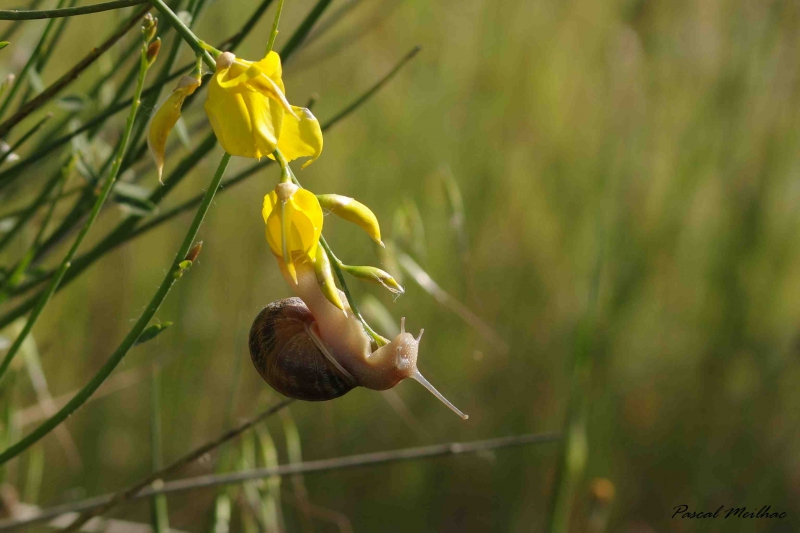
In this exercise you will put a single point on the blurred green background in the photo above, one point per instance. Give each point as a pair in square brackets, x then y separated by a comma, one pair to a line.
[658, 140]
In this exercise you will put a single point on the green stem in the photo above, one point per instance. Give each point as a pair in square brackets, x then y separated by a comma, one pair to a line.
[274, 33]
[31, 60]
[159, 509]
[184, 31]
[28, 134]
[173, 274]
[302, 31]
[234, 41]
[66, 194]
[337, 268]
[17, 14]
[68, 77]
[25, 216]
[14, 26]
[65, 263]
[17, 273]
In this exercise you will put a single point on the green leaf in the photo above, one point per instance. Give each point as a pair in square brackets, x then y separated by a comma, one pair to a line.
[3, 44]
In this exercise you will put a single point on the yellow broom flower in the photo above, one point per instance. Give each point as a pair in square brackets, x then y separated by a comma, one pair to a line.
[250, 114]
[294, 225]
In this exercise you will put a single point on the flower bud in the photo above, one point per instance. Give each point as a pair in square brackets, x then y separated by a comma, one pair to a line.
[352, 211]
[375, 275]
[194, 251]
[152, 51]
[149, 27]
[322, 268]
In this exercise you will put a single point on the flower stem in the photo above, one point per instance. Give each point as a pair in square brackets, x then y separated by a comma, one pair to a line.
[173, 274]
[184, 31]
[337, 268]
[17, 14]
[274, 33]
[66, 262]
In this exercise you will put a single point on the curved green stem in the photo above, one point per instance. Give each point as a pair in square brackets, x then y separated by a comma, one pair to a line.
[173, 274]
[106, 190]
[17, 14]
[336, 263]
[184, 31]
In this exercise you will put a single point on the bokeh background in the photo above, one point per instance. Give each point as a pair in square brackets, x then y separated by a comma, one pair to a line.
[655, 144]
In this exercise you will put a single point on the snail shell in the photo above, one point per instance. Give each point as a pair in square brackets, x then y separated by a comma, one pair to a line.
[291, 358]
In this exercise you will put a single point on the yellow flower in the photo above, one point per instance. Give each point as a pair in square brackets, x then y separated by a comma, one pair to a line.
[165, 117]
[294, 225]
[251, 116]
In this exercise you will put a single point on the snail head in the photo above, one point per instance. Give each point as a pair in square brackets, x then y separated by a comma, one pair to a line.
[406, 349]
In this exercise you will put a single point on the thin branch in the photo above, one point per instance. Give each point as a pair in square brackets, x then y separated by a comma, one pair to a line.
[236, 39]
[26, 14]
[305, 27]
[191, 457]
[14, 26]
[325, 465]
[98, 205]
[443, 297]
[184, 32]
[27, 135]
[69, 77]
[173, 274]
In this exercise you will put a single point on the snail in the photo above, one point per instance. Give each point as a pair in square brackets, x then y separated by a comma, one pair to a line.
[306, 348]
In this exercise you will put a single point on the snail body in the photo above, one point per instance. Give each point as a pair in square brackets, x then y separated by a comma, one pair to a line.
[306, 348]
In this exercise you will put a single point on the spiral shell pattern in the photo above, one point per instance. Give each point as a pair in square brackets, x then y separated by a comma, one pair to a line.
[287, 357]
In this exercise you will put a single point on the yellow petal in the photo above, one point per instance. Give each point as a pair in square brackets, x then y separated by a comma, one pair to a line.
[322, 269]
[309, 220]
[301, 136]
[164, 120]
[272, 220]
[246, 123]
[271, 67]
[302, 225]
[352, 211]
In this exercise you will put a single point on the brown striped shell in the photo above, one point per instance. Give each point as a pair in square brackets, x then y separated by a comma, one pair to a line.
[287, 357]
